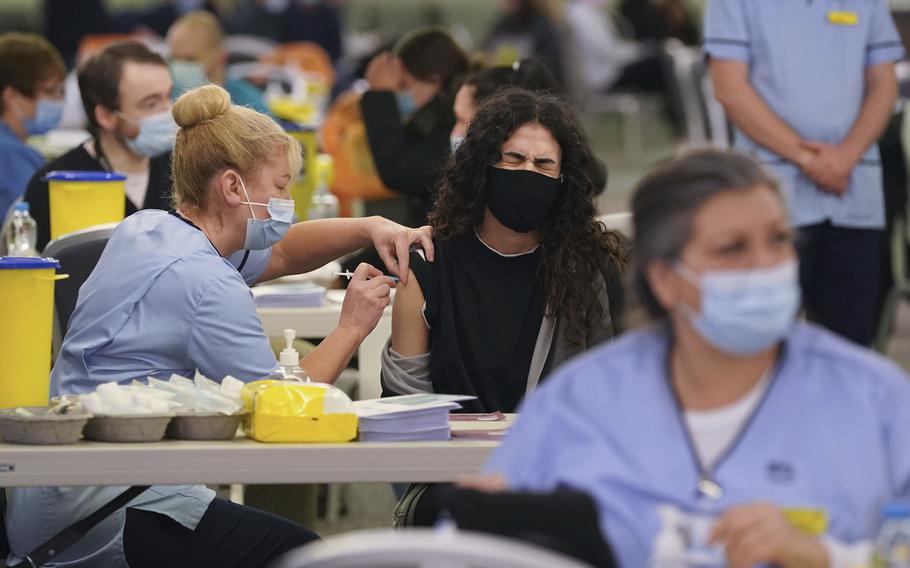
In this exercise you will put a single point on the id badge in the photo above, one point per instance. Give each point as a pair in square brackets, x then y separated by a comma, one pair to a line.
[843, 18]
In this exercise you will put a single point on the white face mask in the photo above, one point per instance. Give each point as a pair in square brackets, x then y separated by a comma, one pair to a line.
[263, 233]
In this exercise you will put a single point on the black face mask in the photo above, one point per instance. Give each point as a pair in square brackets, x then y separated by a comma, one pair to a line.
[520, 199]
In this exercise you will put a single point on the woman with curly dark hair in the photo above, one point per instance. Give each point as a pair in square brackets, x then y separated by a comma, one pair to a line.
[518, 284]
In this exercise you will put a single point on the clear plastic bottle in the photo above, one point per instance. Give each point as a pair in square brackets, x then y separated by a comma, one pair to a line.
[22, 233]
[289, 360]
[324, 204]
[892, 547]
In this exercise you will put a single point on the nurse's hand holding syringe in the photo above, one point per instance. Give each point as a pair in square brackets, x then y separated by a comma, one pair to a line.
[366, 298]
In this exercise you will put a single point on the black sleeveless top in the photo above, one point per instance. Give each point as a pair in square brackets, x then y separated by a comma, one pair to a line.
[484, 310]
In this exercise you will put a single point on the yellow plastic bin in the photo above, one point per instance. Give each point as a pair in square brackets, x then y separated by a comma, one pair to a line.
[27, 305]
[302, 191]
[84, 199]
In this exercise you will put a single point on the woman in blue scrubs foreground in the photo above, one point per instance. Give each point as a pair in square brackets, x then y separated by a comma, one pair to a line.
[706, 435]
[165, 299]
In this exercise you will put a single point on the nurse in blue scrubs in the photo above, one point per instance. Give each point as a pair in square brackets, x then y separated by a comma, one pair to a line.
[167, 298]
[708, 436]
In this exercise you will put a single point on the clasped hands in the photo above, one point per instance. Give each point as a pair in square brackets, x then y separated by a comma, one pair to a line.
[828, 165]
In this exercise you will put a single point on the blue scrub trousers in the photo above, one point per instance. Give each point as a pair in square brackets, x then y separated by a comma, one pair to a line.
[839, 275]
[228, 535]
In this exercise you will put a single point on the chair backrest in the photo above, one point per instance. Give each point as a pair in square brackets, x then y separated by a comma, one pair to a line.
[619, 222]
[78, 253]
[420, 547]
[687, 62]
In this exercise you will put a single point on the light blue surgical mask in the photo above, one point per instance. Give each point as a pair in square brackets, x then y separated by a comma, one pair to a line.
[406, 106]
[455, 141]
[157, 134]
[187, 75]
[48, 113]
[744, 312]
[263, 233]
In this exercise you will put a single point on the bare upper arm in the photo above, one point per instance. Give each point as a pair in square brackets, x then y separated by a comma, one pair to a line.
[410, 335]
[881, 75]
[729, 77]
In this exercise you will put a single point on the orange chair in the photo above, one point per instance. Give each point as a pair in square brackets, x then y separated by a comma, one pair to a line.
[309, 56]
[344, 137]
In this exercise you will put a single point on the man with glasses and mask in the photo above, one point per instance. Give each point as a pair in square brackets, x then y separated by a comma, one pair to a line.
[126, 92]
[31, 103]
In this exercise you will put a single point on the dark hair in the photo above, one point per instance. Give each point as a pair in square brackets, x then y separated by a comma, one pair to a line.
[99, 78]
[665, 202]
[26, 61]
[531, 74]
[431, 54]
[577, 249]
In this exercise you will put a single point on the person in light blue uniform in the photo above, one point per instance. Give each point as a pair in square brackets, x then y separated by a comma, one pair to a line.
[810, 87]
[167, 297]
[31, 103]
[718, 429]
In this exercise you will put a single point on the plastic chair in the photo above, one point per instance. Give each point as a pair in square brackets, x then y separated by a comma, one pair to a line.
[308, 56]
[898, 242]
[688, 67]
[78, 253]
[619, 222]
[386, 548]
[246, 48]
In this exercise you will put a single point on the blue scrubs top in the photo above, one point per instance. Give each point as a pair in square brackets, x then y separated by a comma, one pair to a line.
[18, 162]
[807, 60]
[832, 433]
[160, 301]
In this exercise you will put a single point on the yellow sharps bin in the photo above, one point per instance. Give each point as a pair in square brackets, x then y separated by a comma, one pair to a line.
[83, 199]
[27, 305]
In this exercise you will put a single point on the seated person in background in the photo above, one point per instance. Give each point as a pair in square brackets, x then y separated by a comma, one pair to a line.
[408, 114]
[198, 57]
[726, 415]
[126, 92]
[528, 28]
[31, 103]
[164, 299]
[517, 286]
[531, 74]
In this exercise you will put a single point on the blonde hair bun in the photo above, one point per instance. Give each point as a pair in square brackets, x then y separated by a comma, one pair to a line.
[201, 104]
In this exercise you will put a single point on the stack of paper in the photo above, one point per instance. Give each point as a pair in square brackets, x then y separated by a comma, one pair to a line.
[409, 418]
[304, 295]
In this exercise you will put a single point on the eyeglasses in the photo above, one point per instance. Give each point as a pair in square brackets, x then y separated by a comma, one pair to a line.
[544, 165]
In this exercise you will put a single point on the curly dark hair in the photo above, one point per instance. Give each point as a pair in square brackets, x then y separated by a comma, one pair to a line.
[577, 249]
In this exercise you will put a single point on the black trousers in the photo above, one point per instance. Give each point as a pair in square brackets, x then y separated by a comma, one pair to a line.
[839, 273]
[228, 535]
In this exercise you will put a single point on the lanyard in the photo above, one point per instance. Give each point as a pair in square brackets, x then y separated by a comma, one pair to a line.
[707, 486]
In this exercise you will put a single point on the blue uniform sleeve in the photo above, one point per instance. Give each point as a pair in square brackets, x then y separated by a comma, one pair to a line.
[895, 406]
[227, 336]
[18, 163]
[727, 30]
[884, 43]
[525, 458]
[251, 263]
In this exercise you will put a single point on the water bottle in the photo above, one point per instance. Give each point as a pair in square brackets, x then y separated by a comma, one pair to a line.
[22, 232]
[892, 547]
[324, 204]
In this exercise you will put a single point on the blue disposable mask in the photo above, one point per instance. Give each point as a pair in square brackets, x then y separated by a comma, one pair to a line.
[157, 134]
[48, 113]
[263, 233]
[187, 76]
[455, 141]
[744, 312]
[405, 102]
